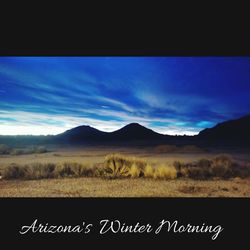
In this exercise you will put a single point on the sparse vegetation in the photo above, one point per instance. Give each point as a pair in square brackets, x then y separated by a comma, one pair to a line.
[165, 172]
[39, 171]
[14, 171]
[134, 171]
[222, 166]
[149, 171]
[120, 166]
[36, 171]
[6, 150]
[87, 174]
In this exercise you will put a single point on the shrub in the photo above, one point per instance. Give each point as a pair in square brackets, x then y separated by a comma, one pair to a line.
[149, 171]
[204, 163]
[80, 170]
[177, 165]
[14, 171]
[115, 170]
[118, 160]
[40, 171]
[47, 170]
[119, 166]
[241, 170]
[225, 160]
[67, 169]
[135, 171]
[140, 163]
[198, 173]
[181, 169]
[165, 172]
[222, 166]
[183, 172]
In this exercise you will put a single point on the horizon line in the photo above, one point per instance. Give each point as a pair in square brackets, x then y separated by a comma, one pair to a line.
[86, 125]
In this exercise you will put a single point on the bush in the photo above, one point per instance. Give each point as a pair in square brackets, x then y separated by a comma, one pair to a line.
[140, 163]
[68, 169]
[198, 173]
[204, 163]
[242, 171]
[40, 171]
[76, 170]
[119, 166]
[222, 166]
[35, 171]
[165, 172]
[134, 172]
[14, 171]
[115, 169]
[149, 171]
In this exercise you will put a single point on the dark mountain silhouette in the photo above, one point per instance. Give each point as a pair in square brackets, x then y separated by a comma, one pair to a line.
[135, 131]
[233, 132]
[130, 132]
[81, 134]
[229, 133]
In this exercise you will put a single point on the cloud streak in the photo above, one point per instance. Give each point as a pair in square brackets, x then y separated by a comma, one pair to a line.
[47, 95]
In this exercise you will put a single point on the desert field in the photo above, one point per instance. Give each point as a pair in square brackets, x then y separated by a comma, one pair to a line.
[127, 187]
[96, 187]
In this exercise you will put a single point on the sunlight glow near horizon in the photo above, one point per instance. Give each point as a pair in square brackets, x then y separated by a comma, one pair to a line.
[54, 130]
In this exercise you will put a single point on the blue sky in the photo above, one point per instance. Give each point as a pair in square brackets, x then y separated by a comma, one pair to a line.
[171, 95]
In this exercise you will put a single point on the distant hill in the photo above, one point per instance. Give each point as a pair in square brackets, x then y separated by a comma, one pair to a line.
[229, 133]
[81, 134]
[233, 132]
[135, 131]
[130, 132]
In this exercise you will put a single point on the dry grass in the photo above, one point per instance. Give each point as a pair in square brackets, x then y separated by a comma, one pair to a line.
[121, 166]
[35, 171]
[97, 187]
[165, 173]
[149, 171]
[134, 171]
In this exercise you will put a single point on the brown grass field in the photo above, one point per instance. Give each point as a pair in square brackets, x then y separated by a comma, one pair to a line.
[129, 187]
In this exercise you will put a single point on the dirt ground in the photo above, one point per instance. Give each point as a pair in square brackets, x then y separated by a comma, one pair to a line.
[96, 187]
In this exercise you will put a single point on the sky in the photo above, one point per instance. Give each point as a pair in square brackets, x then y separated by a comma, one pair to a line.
[171, 95]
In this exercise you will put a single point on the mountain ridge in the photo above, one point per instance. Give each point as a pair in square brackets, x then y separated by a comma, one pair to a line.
[131, 131]
[231, 132]
[227, 132]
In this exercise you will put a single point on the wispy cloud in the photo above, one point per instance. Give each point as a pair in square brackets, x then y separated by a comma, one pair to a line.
[38, 123]
[170, 95]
